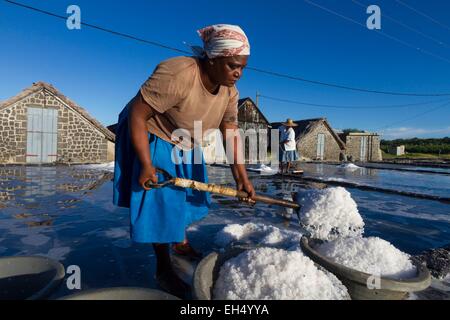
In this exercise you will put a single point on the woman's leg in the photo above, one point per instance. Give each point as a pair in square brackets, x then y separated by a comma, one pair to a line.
[163, 262]
[165, 275]
[185, 249]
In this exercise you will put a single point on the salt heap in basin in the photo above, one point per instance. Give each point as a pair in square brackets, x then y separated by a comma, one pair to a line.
[370, 255]
[329, 213]
[258, 233]
[268, 274]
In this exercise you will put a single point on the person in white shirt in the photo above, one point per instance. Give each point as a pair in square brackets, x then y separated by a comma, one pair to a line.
[289, 146]
[283, 131]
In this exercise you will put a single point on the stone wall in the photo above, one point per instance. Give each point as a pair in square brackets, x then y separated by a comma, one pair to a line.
[13, 132]
[79, 141]
[353, 147]
[248, 112]
[110, 151]
[307, 145]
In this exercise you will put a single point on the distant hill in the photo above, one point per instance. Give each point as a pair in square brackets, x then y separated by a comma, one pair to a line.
[352, 130]
[416, 145]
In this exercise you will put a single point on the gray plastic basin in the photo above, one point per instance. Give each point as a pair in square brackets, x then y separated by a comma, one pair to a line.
[357, 282]
[29, 277]
[207, 271]
[121, 293]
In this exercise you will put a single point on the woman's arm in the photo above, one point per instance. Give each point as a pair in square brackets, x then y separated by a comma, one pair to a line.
[230, 135]
[140, 112]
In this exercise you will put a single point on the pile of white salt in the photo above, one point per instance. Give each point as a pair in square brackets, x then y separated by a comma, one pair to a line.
[370, 255]
[268, 274]
[329, 213]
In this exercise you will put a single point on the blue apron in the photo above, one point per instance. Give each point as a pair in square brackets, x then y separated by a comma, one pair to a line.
[158, 215]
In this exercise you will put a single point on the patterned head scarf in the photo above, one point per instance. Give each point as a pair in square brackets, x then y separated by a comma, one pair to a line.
[224, 40]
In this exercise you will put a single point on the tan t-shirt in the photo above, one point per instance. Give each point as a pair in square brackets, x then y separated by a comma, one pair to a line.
[177, 94]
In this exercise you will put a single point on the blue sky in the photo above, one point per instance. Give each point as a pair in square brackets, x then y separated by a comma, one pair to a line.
[101, 72]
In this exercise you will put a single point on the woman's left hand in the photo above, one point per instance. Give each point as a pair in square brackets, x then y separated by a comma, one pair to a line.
[247, 186]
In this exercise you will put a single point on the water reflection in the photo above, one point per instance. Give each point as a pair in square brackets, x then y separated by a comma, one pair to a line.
[34, 196]
[408, 167]
[430, 184]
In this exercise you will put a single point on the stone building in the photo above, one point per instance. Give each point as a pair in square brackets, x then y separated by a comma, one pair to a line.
[41, 125]
[251, 120]
[255, 127]
[250, 117]
[362, 146]
[397, 150]
[316, 140]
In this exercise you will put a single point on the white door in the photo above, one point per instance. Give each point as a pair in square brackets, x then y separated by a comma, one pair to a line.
[320, 146]
[42, 132]
[363, 151]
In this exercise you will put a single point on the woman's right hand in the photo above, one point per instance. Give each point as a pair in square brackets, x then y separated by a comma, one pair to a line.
[148, 173]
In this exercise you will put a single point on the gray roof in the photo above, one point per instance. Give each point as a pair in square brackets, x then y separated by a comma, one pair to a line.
[243, 100]
[307, 125]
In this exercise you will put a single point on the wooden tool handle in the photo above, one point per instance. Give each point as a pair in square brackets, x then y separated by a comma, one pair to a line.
[217, 189]
[279, 202]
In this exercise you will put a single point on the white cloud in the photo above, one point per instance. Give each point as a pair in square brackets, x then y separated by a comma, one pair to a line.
[406, 132]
